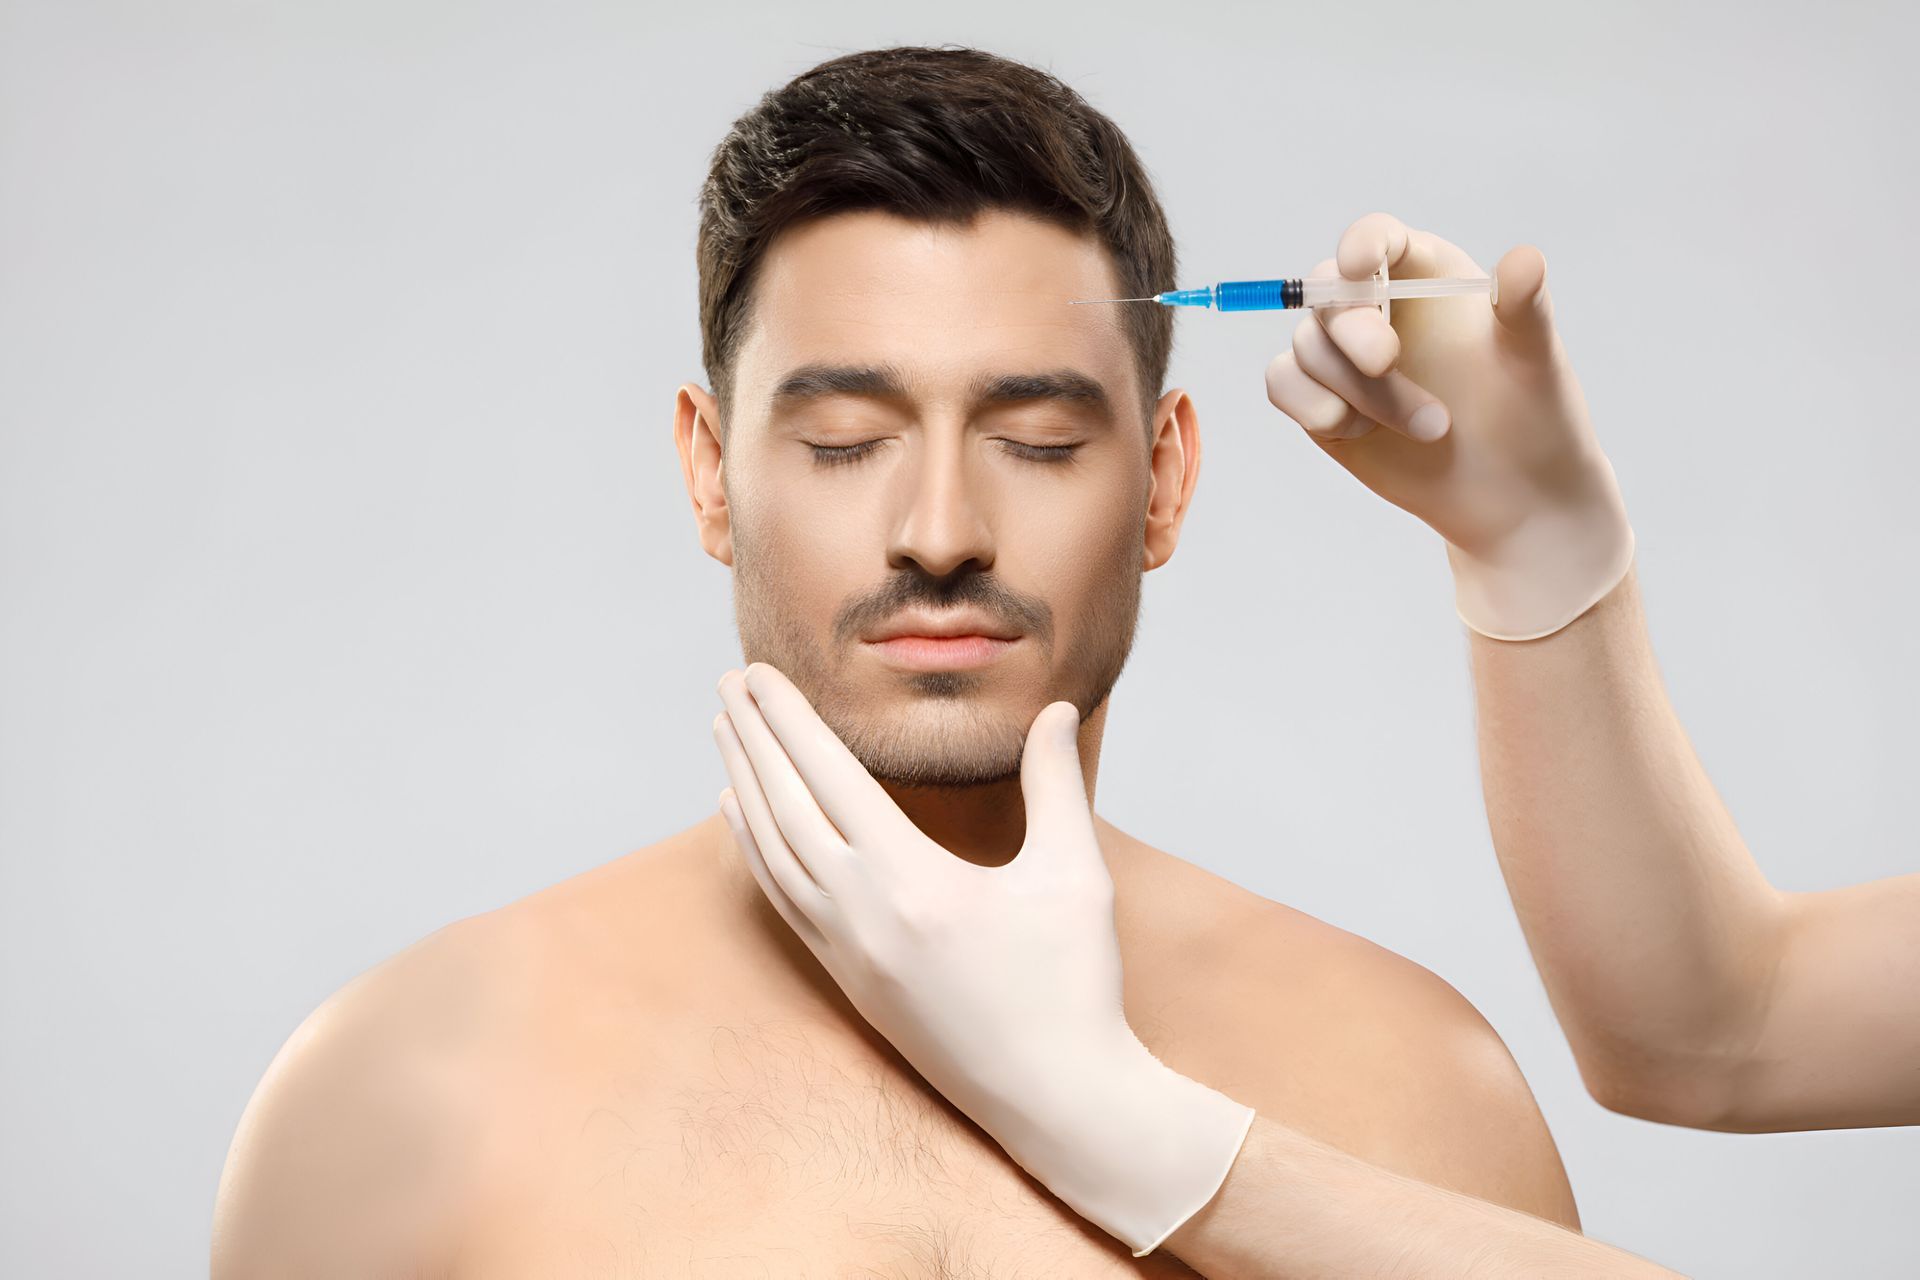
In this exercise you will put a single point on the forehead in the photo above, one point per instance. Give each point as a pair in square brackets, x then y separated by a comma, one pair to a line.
[945, 303]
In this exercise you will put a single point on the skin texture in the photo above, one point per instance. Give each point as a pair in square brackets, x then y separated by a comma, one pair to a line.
[643, 1070]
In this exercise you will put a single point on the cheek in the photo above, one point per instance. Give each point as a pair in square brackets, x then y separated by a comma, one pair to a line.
[1074, 544]
[809, 554]
[779, 515]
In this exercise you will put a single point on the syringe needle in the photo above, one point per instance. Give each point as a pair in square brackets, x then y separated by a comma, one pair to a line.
[1087, 302]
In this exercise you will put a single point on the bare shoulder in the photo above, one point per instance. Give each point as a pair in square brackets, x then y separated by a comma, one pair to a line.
[346, 1159]
[375, 1133]
[1338, 1037]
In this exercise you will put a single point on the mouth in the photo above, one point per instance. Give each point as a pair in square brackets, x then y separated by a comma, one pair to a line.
[922, 639]
[940, 653]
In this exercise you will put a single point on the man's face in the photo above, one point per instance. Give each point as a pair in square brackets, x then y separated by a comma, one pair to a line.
[937, 474]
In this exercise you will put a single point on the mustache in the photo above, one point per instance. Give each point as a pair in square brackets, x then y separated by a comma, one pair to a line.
[979, 590]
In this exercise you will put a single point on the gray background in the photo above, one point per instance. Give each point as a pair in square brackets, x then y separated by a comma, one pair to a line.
[350, 586]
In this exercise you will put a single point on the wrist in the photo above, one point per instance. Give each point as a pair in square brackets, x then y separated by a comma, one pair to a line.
[1129, 1143]
[1557, 564]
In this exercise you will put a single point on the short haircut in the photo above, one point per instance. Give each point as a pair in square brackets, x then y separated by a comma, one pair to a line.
[937, 135]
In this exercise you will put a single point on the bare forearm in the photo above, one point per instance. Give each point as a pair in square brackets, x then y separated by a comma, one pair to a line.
[1657, 936]
[1295, 1207]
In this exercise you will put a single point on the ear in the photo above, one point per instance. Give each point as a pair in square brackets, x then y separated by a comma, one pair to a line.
[696, 435]
[1174, 467]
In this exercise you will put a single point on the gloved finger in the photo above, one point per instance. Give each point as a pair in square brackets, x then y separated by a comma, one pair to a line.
[1407, 252]
[1059, 818]
[1393, 400]
[1360, 331]
[840, 784]
[789, 872]
[805, 827]
[1525, 310]
[796, 919]
[1324, 415]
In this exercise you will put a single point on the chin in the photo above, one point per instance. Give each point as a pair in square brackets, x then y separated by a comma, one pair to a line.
[917, 743]
[943, 775]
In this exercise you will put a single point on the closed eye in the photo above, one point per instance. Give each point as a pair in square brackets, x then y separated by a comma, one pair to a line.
[838, 455]
[1041, 452]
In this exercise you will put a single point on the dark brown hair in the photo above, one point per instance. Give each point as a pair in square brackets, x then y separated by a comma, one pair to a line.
[937, 135]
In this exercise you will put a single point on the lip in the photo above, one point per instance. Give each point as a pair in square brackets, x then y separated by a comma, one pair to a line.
[940, 653]
[963, 623]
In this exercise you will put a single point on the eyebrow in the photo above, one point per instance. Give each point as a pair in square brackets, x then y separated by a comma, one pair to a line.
[885, 382]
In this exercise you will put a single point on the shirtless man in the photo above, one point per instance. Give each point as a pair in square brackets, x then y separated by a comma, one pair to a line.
[642, 1070]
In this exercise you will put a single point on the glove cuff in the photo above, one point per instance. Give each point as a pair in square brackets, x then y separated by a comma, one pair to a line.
[1207, 1149]
[1138, 1150]
[1554, 568]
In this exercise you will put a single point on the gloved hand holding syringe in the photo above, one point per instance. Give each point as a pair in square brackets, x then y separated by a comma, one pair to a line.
[1534, 525]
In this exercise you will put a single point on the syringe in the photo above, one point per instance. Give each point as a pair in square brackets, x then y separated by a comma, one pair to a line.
[1311, 291]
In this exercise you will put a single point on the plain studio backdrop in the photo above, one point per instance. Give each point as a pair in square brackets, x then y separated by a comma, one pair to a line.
[350, 585]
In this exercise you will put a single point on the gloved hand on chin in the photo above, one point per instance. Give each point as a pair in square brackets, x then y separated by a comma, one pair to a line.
[1000, 985]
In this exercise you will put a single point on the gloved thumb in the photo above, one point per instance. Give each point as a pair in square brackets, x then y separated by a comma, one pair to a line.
[1525, 309]
[1050, 779]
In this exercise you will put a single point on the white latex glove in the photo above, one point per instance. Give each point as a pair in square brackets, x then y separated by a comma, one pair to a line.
[1001, 985]
[1535, 527]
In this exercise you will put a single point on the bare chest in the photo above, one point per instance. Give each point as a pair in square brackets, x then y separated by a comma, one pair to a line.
[775, 1148]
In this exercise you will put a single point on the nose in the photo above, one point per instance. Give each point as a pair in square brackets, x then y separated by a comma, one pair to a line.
[944, 521]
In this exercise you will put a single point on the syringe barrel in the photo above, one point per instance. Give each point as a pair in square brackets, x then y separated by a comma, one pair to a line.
[1323, 290]
[1257, 295]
